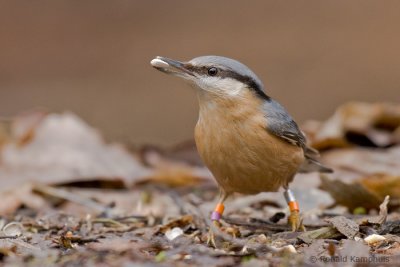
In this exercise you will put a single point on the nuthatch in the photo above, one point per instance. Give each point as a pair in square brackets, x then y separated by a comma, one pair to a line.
[248, 140]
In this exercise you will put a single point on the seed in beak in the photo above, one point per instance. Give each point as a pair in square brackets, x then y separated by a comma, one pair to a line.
[158, 63]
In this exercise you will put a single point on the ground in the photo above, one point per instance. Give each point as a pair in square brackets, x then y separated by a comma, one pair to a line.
[71, 199]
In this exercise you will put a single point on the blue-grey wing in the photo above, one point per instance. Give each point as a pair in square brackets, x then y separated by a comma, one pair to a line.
[281, 124]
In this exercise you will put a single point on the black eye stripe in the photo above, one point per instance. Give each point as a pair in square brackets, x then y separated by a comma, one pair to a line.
[250, 82]
[228, 73]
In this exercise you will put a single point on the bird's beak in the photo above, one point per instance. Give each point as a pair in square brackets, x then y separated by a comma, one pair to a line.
[171, 66]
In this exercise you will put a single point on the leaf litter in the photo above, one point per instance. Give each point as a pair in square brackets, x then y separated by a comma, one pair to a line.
[69, 197]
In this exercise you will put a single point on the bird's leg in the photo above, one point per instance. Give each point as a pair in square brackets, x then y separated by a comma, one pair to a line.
[216, 215]
[294, 218]
[218, 211]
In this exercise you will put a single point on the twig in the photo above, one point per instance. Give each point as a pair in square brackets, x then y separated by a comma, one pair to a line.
[256, 223]
[8, 236]
[64, 194]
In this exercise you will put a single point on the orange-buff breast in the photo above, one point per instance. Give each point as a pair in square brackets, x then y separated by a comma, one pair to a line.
[233, 142]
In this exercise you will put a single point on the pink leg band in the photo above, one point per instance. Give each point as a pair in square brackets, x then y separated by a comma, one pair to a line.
[215, 216]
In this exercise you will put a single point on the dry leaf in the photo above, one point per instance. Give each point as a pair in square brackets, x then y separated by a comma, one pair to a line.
[383, 185]
[367, 192]
[328, 232]
[12, 199]
[383, 211]
[65, 149]
[350, 195]
[358, 162]
[381, 218]
[179, 222]
[172, 172]
[24, 126]
[175, 175]
[347, 227]
[356, 123]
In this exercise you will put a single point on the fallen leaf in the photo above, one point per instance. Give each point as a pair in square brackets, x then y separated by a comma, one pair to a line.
[175, 175]
[179, 222]
[383, 185]
[367, 192]
[362, 162]
[24, 125]
[171, 172]
[350, 195]
[390, 227]
[383, 213]
[347, 227]
[65, 149]
[14, 198]
[322, 233]
[356, 123]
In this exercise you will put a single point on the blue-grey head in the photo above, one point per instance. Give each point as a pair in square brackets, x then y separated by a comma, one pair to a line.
[220, 76]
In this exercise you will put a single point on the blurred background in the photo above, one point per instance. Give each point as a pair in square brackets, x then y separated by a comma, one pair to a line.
[92, 57]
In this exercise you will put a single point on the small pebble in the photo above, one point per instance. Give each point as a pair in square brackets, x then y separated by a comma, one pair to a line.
[173, 233]
[13, 229]
[374, 238]
[289, 248]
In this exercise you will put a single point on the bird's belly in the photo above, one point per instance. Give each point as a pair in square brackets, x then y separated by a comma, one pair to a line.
[245, 158]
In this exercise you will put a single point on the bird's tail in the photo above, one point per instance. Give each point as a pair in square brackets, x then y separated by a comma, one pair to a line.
[311, 164]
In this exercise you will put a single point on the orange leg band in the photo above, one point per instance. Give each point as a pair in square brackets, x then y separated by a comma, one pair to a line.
[293, 206]
[220, 208]
[217, 214]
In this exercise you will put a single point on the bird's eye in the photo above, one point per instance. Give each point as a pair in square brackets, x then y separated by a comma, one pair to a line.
[212, 71]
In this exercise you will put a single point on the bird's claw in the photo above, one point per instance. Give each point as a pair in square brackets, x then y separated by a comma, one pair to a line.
[211, 239]
[211, 235]
[234, 232]
[296, 222]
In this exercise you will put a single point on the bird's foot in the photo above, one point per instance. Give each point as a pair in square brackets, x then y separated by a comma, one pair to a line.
[295, 221]
[232, 231]
[211, 235]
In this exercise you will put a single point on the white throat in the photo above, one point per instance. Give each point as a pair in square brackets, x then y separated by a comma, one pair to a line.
[227, 87]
